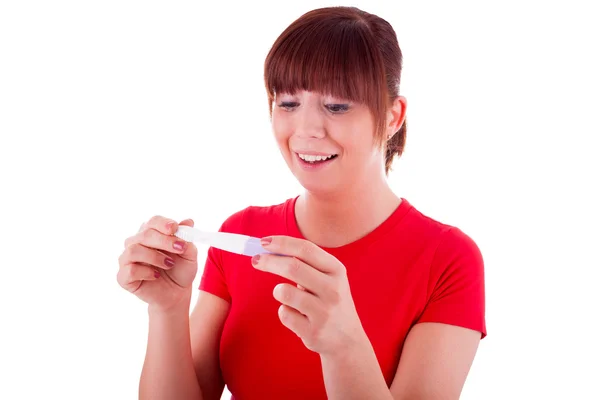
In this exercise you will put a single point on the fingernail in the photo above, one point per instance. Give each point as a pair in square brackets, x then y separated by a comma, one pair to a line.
[266, 241]
[169, 262]
[178, 245]
[255, 259]
[156, 274]
[170, 225]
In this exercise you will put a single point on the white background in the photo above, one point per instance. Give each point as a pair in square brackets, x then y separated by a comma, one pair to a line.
[114, 111]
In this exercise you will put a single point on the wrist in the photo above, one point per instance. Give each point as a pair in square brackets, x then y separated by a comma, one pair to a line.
[352, 351]
[179, 307]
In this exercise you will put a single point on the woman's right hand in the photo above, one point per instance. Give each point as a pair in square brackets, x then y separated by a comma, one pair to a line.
[158, 267]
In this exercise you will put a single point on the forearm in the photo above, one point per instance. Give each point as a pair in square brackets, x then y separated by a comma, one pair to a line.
[355, 374]
[168, 371]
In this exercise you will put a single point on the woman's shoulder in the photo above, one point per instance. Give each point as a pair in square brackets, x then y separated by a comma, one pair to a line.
[448, 238]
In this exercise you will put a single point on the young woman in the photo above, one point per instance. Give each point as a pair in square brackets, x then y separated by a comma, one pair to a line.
[368, 299]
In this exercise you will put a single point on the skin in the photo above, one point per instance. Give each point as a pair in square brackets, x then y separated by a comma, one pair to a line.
[342, 203]
[351, 196]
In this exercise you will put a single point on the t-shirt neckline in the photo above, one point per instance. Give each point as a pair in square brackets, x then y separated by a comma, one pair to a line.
[379, 232]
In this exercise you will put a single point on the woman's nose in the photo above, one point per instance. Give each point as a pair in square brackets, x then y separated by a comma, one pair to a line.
[309, 123]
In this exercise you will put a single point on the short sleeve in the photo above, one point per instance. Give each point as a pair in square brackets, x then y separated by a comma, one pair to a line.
[456, 288]
[214, 276]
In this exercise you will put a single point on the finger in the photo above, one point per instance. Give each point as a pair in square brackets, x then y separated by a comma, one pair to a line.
[304, 250]
[137, 253]
[302, 301]
[130, 276]
[293, 269]
[164, 225]
[191, 251]
[154, 239]
[294, 320]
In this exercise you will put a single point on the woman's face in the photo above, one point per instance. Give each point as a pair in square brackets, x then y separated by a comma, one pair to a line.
[327, 142]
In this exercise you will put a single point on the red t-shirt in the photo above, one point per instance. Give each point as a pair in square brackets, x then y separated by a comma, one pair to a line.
[410, 269]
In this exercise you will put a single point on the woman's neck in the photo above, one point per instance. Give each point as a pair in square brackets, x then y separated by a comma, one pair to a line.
[335, 220]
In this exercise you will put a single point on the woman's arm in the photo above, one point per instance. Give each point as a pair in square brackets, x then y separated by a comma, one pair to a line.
[182, 353]
[206, 326]
[354, 374]
[436, 356]
[435, 361]
[168, 371]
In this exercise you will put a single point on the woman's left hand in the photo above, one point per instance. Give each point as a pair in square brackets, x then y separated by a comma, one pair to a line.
[320, 309]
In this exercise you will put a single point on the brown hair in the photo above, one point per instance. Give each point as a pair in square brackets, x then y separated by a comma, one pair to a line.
[344, 52]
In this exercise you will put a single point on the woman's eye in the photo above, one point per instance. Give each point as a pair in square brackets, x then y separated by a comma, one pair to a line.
[286, 105]
[338, 108]
[334, 108]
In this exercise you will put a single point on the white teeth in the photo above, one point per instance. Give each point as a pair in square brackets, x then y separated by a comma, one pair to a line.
[311, 158]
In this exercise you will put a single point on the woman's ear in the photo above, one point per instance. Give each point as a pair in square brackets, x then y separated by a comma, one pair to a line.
[396, 115]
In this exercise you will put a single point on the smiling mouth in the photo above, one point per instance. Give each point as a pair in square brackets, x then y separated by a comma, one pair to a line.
[315, 159]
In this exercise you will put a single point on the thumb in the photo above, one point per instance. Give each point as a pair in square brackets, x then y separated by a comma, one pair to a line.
[191, 252]
[187, 222]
